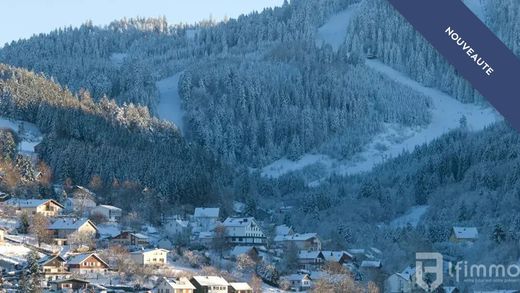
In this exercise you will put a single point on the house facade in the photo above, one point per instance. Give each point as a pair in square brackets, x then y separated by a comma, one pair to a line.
[310, 259]
[175, 226]
[62, 228]
[127, 238]
[403, 282]
[299, 282]
[464, 234]
[205, 219]
[240, 288]
[54, 268]
[111, 213]
[340, 257]
[87, 263]
[155, 256]
[172, 285]
[46, 207]
[243, 231]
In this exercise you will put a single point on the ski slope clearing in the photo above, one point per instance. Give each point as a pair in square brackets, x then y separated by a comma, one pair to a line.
[477, 7]
[29, 134]
[169, 105]
[446, 115]
[411, 218]
[334, 31]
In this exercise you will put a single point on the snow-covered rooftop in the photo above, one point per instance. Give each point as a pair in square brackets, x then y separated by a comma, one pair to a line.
[238, 222]
[182, 283]
[295, 237]
[238, 250]
[465, 232]
[371, 264]
[69, 224]
[407, 273]
[206, 212]
[29, 203]
[79, 258]
[309, 254]
[335, 256]
[240, 286]
[143, 251]
[282, 230]
[211, 281]
[109, 207]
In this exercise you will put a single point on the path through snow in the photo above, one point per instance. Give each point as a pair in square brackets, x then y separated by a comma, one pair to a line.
[169, 105]
[334, 31]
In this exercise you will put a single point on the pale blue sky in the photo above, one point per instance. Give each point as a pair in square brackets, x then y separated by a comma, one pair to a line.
[23, 18]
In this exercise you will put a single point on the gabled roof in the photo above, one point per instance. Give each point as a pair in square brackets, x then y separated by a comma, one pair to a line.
[182, 283]
[45, 261]
[240, 286]
[335, 256]
[296, 237]
[143, 251]
[109, 207]
[238, 222]
[30, 203]
[297, 277]
[310, 254]
[211, 281]
[407, 273]
[206, 212]
[68, 280]
[79, 258]
[70, 224]
[465, 232]
[371, 264]
[238, 250]
[282, 230]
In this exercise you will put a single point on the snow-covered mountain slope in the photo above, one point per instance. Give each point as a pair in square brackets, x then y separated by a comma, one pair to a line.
[477, 7]
[169, 106]
[29, 133]
[446, 114]
[334, 31]
[412, 217]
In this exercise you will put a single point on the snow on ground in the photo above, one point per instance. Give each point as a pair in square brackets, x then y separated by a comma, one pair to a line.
[14, 253]
[446, 113]
[169, 105]
[412, 217]
[477, 7]
[334, 31]
[108, 230]
[28, 132]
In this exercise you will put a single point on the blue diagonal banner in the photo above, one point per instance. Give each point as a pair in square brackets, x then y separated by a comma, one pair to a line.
[477, 54]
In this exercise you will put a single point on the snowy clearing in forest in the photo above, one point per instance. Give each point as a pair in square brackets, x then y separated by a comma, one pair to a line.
[477, 7]
[334, 31]
[169, 105]
[29, 133]
[446, 114]
[412, 217]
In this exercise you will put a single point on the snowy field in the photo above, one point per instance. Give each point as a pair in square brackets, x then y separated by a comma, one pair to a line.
[169, 105]
[334, 31]
[28, 132]
[412, 217]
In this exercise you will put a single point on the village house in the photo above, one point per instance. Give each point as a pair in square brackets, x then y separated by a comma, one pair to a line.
[111, 213]
[70, 285]
[240, 288]
[205, 219]
[283, 230]
[340, 257]
[310, 259]
[175, 226]
[173, 285]
[53, 268]
[305, 241]
[209, 284]
[250, 251]
[403, 282]
[62, 228]
[153, 256]
[299, 282]
[464, 234]
[87, 263]
[46, 207]
[127, 238]
[243, 231]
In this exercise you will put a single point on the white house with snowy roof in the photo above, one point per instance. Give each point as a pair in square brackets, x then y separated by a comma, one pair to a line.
[111, 213]
[205, 219]
[340, 256]
[46, 207]
[213, 284]
[243, 231]
[152, 256]
[403, 282]
[174, 285]
[310, 259]
[283, 230]
[464, 234]
[62, 228]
